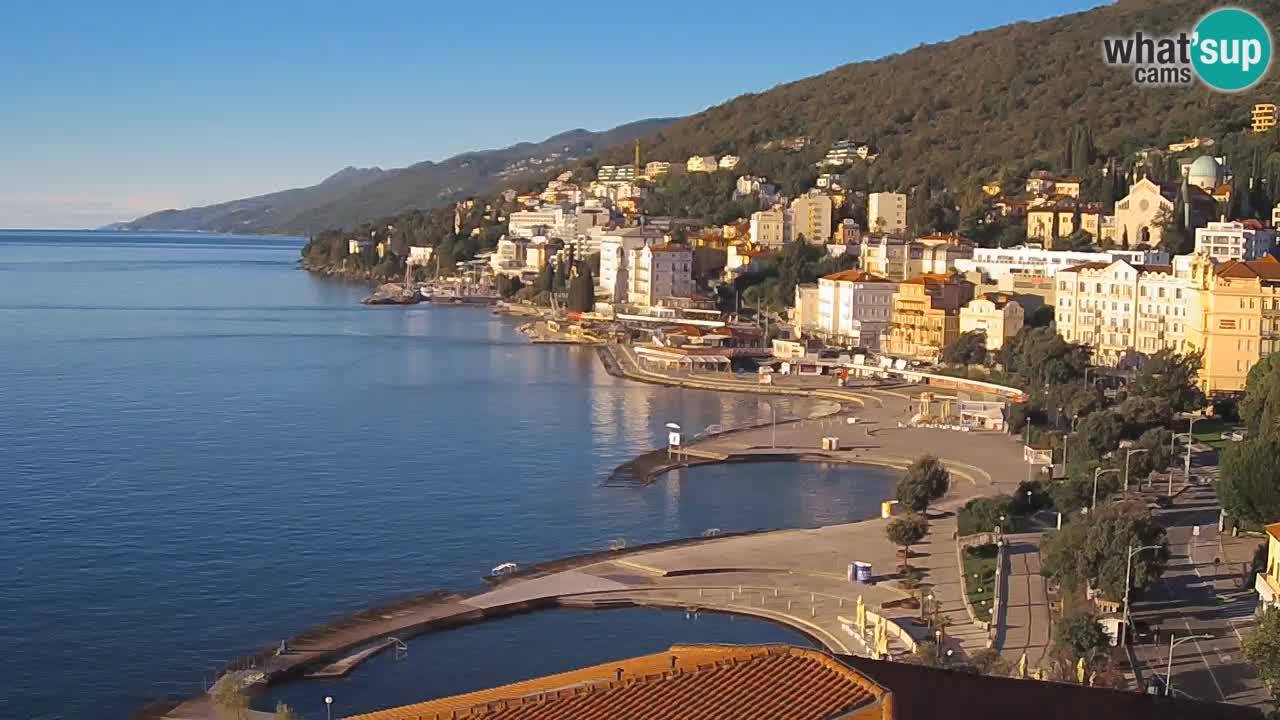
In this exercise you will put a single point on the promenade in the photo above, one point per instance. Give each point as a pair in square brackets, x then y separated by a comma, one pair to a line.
[795, 577]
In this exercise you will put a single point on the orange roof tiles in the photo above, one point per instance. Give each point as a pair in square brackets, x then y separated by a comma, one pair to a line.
[691, 682]
[935, 279]
[1274, 530]
[1268, 268]
[854, 276]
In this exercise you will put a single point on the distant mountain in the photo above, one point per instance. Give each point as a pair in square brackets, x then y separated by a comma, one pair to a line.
[355, 195]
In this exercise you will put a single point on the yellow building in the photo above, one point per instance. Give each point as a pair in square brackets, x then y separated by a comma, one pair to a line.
[925, 316]
[997, 315]
[991, 189]
[1233, 319]
[811, 218]
[1264, 117]
[702, 163]
[1267, 582]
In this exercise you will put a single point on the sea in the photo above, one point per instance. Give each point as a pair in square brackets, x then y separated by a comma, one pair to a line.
[204, 449]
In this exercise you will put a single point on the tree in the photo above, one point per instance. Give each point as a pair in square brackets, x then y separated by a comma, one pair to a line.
[1262, 650]
[582, 297]
[229, 700]
[989, 661]
[925, 480]
[1171, 376]
[1095, 548]
[1079, 635]
[284, 712]
[906, 531]
[968, 348]
[546, 279]
[1260, 408]
[985, 514]
[1098, 434]
[1249, 480]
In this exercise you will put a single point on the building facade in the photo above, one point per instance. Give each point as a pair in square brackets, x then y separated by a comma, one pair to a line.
[702, 163]
[998, 315]
[1225, 241]
[1234, 319]
[887, 212]
[616, 247]
[1117, 308]
[854, 308]
[811, 218]
[925, 316]
[898, 259]
[1139, 212]
[995, 264]
[1264, 117]
[659, 273]
[768, 228]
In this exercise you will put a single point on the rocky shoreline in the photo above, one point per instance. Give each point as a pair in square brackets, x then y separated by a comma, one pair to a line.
[352, 274]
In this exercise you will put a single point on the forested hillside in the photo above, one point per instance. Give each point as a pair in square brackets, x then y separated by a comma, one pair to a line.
[995, 103]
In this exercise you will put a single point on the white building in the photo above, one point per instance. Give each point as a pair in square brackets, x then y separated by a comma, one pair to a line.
[419, 255]
[508, 257]
[846, 152]
[616, 247]
[854, 308]
[768, 228]
[1275, 217]
[729, 162]
[702, 163]
[659, 272]
[887, 212]
[609, 173]
[556, 221]
[1223, 241]
[995, 264]
[1116, 308]
[997, 315]
[657, 169]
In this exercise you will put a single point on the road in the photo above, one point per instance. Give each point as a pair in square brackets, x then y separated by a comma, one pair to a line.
[1200, 593]
[1026, 625]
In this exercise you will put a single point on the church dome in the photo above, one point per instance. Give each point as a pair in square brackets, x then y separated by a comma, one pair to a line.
[1205, 172]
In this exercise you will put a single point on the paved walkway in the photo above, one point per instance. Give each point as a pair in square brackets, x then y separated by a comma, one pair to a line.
[1026, 626]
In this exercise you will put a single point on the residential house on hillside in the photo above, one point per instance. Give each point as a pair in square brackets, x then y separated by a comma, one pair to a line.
[887, 212]
[1235, 240]
[768, 228]
[702, 163]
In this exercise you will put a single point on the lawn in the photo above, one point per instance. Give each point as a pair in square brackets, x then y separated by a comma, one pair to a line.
[1209, 431]
[980, 578]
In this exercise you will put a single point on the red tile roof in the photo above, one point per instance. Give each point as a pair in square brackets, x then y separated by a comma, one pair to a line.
[1268, 268]
[854, 276]
[689, 682]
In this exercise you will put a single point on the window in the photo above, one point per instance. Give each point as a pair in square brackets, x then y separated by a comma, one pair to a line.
[1226, 324]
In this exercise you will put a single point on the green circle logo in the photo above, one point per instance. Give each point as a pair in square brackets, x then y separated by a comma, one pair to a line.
[1231, 49]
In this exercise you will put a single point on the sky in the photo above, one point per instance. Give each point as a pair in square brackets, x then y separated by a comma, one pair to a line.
[111, 110]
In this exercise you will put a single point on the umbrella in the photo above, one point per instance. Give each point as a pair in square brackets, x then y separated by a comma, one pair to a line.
[1022, 666]
[1080, 671]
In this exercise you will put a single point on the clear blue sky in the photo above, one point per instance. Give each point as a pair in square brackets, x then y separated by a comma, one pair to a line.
[111, 110]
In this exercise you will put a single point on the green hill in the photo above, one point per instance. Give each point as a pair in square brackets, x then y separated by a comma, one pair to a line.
[995, 103]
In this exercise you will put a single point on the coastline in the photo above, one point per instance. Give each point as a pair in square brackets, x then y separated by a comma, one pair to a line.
[569, 582]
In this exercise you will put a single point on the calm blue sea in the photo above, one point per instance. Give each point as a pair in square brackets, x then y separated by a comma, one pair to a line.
[204, 449]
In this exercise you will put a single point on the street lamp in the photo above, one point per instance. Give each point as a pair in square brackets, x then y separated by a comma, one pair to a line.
[1186, 471]
[1168, 670]
[1099, 472]
[1128, 567]
[328, 707]
[1128, 455]
[773, 424]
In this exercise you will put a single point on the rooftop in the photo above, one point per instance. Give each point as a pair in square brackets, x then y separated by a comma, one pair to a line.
[697, 682]
[854, 276]
[691, 682]
[1268, 268]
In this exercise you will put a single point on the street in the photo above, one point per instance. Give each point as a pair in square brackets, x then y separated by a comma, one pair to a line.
[1202, 592]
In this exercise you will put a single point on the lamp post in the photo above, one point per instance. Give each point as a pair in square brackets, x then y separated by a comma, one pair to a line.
[1168, 670]
[1186, 468]
[1128, 455]
[1097, 473]
[328, 707]
[773, 425]
[1128, 567]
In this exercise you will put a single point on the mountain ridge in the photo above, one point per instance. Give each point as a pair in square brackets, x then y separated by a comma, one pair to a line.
[354, 194]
